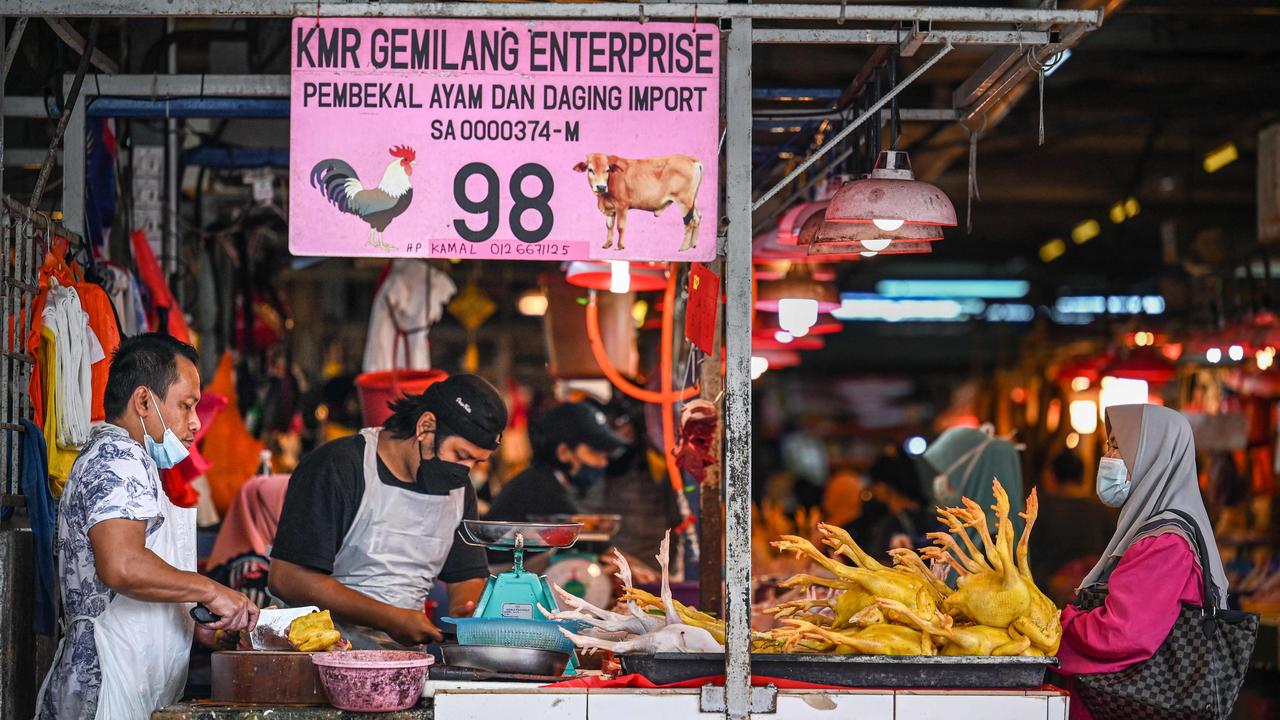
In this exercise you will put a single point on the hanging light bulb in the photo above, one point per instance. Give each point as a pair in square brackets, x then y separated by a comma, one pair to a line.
[887, 225]
[868, 253]
[797, 315]
[1266, 357]
[1084, 416]
[1236, 353]
[878, 244]
[758, 366]
[1213, 355]
[783, 337]
[619, 276]
[1080, 383]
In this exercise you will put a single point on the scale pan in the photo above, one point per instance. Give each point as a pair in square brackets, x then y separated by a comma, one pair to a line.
[511, 535]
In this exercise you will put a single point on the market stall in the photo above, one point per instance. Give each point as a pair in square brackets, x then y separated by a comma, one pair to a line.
[465, 132]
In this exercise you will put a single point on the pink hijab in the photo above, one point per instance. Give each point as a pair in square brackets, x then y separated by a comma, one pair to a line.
[250, 525]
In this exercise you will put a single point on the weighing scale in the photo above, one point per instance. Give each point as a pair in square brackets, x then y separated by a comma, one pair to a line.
[507, 613]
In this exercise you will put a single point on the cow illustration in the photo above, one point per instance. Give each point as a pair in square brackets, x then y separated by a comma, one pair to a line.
[621, 184]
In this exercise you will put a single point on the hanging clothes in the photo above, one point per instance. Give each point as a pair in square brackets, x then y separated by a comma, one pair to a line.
[77, 350]
[410, 300]
[122, 287]
[163, 304]
[102, 322]
[60, 458]
[42, 512]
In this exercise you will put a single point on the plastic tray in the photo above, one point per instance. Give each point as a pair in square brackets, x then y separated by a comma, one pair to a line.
[871, 671]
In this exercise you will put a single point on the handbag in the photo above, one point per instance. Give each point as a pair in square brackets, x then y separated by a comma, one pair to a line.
[1196, 673]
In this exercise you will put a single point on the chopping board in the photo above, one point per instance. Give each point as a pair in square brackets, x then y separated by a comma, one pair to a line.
[266, 677]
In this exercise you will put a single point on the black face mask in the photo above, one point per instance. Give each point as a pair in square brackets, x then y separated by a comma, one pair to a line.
[586, 477]
[441, 476]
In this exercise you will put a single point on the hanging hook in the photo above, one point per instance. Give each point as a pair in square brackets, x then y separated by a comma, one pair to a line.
[843, 6]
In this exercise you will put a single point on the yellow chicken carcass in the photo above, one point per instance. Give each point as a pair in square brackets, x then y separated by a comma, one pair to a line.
[314, 633]
[992, 588]
[963, 640]
[876, 580]
[882, 639]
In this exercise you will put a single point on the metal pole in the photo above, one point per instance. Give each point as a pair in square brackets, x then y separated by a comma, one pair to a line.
[73, 95]
[868, 113]
[73, 160]
[737, 424]
[170, 244]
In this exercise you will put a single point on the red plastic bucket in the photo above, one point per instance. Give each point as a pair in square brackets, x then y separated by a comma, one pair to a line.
[376, 389]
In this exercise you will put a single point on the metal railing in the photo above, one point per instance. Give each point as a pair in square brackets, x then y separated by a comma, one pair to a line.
[21, 235]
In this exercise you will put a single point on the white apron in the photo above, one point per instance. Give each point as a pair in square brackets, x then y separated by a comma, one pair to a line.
[396, 546]
[144, 648]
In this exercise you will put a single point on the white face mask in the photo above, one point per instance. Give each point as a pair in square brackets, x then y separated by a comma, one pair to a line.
[170, 451]
[1113, 482]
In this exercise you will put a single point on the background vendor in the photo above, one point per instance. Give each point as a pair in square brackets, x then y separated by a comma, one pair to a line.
[370, 521]
[572, 446]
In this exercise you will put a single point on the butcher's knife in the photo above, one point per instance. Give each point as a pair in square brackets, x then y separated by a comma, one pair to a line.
[272, 630]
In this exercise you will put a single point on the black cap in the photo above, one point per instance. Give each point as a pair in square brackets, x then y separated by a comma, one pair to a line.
[580, 423]
[469, 406]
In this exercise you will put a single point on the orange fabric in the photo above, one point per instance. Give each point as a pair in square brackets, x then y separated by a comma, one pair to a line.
[151, 275]
[55, 266]
[102, 320]
[236, 450]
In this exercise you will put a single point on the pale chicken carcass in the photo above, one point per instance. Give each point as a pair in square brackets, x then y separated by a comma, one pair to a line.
[672, 638]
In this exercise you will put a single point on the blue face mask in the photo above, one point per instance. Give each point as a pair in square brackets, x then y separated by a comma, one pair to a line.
[1113, 482]
[170, 451]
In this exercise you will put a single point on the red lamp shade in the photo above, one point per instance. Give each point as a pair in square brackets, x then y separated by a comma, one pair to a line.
[779, 359]
[760, 341]
[767, 324]
[891, 193]
[1143, 364]
[1086, 367]
[798, 283]
[596, 275]
[898, 247]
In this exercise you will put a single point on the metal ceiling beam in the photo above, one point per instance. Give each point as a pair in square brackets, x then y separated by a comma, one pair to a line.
[75, 40]
[571, 10]
[866, 36]
[847, 129]
[19, 26]
[995, 89]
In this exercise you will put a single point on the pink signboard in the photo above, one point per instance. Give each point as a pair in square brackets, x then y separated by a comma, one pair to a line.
[526, 140]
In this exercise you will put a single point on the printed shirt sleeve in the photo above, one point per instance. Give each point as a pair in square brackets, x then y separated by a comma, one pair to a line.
[117, 485]
[1145, 592]
[465, 562]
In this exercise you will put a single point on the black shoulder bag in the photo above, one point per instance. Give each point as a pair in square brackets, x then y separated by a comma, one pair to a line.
[1195, 675]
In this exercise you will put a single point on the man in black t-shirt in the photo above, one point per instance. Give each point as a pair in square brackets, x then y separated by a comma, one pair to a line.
[370, 521]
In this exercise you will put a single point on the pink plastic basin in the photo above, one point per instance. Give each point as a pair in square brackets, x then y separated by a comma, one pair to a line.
[372, 680]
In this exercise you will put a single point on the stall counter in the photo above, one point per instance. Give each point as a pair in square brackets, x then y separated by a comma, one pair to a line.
[216, 711]
[485, 701]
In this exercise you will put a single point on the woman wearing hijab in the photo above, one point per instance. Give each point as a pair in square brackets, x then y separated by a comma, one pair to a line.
[966, 460]
[1150, 566]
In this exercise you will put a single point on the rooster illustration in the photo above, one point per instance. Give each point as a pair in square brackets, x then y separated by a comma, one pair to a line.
[378, 206]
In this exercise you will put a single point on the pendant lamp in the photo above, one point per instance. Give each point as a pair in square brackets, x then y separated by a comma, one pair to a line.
[798, 299]
[766, 324]
[617, 276]
[891, 197]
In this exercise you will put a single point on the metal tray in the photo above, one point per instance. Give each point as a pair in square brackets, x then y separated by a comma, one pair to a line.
[870, 671]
